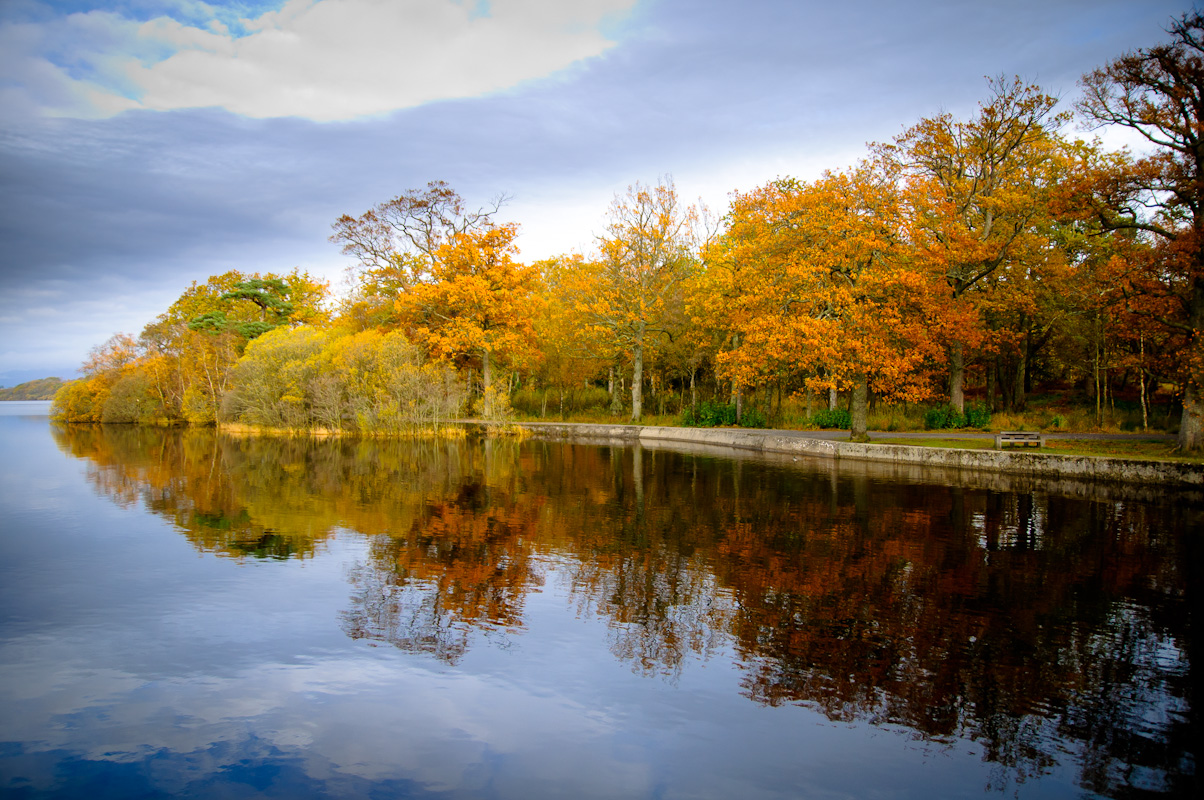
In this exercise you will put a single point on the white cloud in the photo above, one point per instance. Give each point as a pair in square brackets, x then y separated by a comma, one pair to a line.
[319, 59]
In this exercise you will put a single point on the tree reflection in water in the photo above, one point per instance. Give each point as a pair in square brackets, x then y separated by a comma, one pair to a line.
[1044, 627]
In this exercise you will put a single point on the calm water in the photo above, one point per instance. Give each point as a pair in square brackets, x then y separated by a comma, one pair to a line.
[185, 615]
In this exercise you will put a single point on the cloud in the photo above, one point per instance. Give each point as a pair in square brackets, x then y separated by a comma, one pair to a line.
[323, 60]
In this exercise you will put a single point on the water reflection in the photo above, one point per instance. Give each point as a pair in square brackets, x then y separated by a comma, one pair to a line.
[1047, 629]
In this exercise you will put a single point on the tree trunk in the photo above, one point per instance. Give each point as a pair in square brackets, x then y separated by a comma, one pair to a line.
[1145, 409]
[859, 408]
[693, 392]
[1018, 396]
[637, 378]
[957, 377]
[992, 367]
[1191, 427]
[831, 398]
[486, 381]
[616, 403]
[1099, 414]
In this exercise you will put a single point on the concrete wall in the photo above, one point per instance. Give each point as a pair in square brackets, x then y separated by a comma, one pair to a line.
[1031, 465]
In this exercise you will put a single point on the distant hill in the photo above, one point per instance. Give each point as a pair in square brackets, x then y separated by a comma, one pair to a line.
[41, 389]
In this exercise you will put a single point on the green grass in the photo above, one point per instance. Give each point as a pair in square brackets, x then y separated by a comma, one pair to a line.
[911, 418]
[1045, 412]
[602, 418]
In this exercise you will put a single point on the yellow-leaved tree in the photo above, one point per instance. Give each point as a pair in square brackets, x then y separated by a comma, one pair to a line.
[634, 291]
[478, 301]
[450, 278]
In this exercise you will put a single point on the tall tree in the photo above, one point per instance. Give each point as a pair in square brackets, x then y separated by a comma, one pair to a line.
[192, 346]
[570, 357]
[636, 291]
[446, 271]
[1159, 92]
[976, 188]
[396, 242]
[741, 269]
[477, 301]
[829, 283]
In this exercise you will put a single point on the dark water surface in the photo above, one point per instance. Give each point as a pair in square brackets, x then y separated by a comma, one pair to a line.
[189, 615]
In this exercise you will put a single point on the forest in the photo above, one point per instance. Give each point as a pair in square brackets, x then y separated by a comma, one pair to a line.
[40, 389]
[958, 267]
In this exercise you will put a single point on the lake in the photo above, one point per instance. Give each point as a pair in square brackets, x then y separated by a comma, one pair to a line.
[185, 614]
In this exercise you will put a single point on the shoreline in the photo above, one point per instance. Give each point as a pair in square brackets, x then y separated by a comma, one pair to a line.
[1027, 464]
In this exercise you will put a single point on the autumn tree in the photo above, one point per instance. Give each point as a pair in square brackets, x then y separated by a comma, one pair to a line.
[191, 348]
[828, 285]
[476, 301]
[88, 399]
[1159, 93]
[280, 301]
[394, 244]
[449, 274]
[742, 271]
[975, 189]
[570, 355]
[635, 293]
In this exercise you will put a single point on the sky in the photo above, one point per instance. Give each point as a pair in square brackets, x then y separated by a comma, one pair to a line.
[147, 144]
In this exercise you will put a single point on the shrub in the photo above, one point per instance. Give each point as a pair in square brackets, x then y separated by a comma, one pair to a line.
[77, 401]
[978, 416]
[528, 401]
[587, 398]
[941, 417]
[832, 418]
[752, 418]
[131, 400]
[709, 415]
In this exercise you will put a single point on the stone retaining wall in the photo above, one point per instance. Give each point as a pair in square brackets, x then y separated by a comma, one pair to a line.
[1034, 465]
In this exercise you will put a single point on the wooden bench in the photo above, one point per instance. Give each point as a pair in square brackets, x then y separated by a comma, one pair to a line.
[1019, 437]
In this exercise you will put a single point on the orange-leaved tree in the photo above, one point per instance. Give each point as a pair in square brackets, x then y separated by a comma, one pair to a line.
[394, 243]
[975, 189]
[477, 301]
[1159, 92]
[833, 288]
[741, 275]
[446, 273]
[571, 357]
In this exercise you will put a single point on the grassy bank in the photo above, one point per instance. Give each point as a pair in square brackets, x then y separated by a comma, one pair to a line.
[1051, 413]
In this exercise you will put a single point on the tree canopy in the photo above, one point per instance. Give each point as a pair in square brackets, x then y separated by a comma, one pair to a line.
[969, 257]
